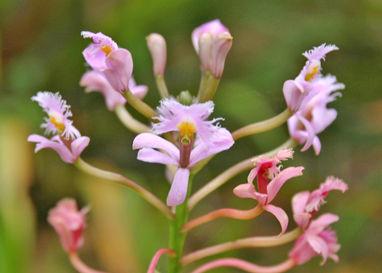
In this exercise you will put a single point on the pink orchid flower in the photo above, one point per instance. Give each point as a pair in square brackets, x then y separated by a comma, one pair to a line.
[67, 140]
[104, 56]
[187, 121]
[317, 239]
[308, 79]
[69, 223]
[212, 41]
[305, 204]
[96, 81]
[268, 169]
[313, 116]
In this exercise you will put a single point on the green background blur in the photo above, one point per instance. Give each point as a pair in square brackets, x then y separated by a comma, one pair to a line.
[41, 50]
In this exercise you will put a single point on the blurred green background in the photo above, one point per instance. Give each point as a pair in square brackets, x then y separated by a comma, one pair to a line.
[41, 50]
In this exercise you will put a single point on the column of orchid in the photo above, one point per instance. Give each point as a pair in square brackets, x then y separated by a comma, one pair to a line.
[184, 139]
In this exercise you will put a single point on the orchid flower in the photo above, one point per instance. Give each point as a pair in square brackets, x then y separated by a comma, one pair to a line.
[104, 56]
[212, 41]
[188, 121]
[69, 223]
[268, 169]
[67, 140]
[305, 204]
[308, 79]
[317, 239]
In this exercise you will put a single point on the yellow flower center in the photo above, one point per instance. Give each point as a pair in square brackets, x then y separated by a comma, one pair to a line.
[57, 120]
[187, 129]
[107, 49]
[313, 69]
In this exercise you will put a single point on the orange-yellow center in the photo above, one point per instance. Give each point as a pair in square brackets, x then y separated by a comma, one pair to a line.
[107, 49]
[57, 122]
[313, 69]
[186, 129]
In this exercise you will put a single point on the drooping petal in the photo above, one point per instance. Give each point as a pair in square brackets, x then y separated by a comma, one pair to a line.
[299, 202]
[154, 156]
[54, 144]
[280, 215]
[276, 183]
[96, 81]
[119, 69]
[293, 94]
[149, 140]
[78, 145]
[319, 245]
[178, 190]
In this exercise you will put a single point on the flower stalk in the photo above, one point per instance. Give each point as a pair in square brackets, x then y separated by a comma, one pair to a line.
[246, 266]
[120, 179]
[157, 256]
[208, 86]
[223, 213]
[139, 105]
[80, 266]
[130, 123]
[263, 126]
[162, 87]
[251, 242]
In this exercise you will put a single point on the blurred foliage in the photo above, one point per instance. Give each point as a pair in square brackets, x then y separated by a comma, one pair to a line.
[41, 50]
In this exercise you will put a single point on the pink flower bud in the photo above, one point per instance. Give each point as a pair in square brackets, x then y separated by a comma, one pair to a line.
[69, 223]
[212, 41]
[157, 46]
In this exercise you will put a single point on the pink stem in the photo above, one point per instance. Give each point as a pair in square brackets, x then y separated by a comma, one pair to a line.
[80, 266]
[246, 266]
[156, 257]
[220, 213]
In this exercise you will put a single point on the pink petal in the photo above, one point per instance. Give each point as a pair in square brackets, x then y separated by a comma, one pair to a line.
[119, 69]
[149, 140]
[179, 186]
[96, 81]
[276, 183]
[139, 91]
[293, 94]
[78, 145]
[322, 222]
[280, 215]
[246, 190]
[153, 156]
[319, 246]
[59, 147]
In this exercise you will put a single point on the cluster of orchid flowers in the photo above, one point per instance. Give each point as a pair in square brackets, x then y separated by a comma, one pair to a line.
[181, 138]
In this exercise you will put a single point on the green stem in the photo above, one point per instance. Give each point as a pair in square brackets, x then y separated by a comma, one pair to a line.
[139, 105]
[208, 86]
[177, 237]
[162, 87]
[120, 179]
[263, 126]
[130, 123]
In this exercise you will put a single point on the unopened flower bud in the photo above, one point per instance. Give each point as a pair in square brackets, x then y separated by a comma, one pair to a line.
[212, 41]
[157, 46]
[185, 97]
[69, 223]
